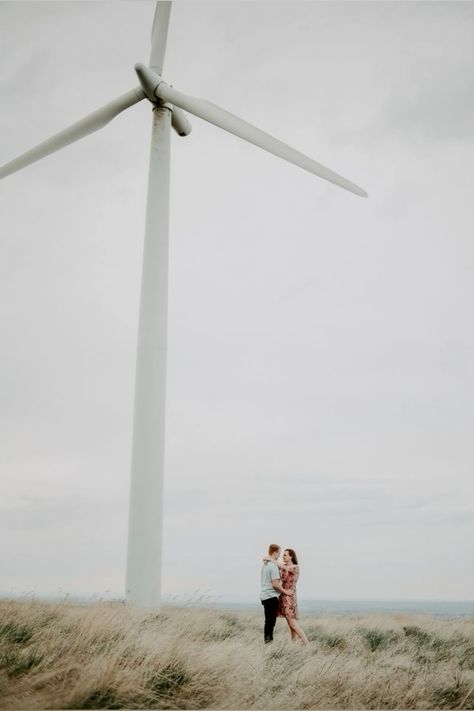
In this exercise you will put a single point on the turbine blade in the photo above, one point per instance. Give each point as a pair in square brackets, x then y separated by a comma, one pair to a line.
[90, 123]
[159, 34]
[229, 122]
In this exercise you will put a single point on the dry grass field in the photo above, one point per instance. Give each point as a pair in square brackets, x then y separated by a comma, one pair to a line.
[106, 655]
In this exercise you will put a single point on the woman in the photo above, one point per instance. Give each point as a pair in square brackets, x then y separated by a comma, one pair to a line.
[288, 607]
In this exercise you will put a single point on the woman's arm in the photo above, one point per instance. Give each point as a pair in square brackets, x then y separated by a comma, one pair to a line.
[281, 565]
[266, 558]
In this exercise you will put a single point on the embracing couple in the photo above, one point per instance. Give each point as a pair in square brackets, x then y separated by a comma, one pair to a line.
[278, 591]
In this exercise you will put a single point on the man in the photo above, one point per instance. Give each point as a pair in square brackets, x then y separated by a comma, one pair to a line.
[271, 588]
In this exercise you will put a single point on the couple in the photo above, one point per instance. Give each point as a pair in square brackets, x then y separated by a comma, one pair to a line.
[278, 593]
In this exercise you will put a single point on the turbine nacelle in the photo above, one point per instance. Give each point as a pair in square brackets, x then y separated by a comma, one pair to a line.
[180, 122]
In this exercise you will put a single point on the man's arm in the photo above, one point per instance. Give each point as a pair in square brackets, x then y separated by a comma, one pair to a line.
[276, 582]
[278, 586]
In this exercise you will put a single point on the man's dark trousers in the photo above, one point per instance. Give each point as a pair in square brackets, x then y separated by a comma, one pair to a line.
[271, 608]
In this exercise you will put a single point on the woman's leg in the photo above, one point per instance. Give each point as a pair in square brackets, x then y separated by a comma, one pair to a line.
[292, 631]
[297, 630]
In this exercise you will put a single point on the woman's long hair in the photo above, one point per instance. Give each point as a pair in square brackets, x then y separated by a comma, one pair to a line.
[292, 555]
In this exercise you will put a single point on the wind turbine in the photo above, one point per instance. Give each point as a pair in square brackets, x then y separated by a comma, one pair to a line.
[143, 576]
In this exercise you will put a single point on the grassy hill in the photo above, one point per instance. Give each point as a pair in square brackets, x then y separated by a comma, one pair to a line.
[103, 654]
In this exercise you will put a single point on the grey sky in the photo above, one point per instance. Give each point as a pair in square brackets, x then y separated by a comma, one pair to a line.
[321, 370]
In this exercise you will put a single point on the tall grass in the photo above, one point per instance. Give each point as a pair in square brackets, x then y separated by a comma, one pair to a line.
[107, 655]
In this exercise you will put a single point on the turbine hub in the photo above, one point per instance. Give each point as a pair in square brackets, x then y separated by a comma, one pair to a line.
[150, 81]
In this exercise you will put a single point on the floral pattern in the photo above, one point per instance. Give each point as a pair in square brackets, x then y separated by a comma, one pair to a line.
[288, 605]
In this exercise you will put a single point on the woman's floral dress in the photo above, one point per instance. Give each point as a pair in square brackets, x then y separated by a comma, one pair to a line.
[288, 606]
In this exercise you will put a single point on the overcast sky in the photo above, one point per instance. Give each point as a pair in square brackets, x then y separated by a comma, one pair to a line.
[321, 348]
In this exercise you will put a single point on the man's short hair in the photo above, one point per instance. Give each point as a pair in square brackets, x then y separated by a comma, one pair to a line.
[272, 548]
